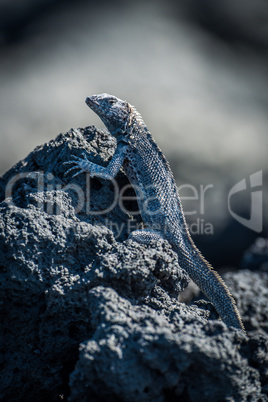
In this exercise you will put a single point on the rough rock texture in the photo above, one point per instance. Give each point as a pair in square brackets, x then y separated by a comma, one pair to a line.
[176, 355]
[68, 282]
[251, 291]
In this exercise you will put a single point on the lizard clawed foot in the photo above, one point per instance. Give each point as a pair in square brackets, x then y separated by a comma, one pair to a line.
[79, 163]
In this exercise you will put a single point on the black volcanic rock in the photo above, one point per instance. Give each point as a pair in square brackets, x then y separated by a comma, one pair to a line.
[88, 314]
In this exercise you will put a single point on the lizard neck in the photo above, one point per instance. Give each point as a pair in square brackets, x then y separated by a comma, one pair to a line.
[139, 137]
[135, 127]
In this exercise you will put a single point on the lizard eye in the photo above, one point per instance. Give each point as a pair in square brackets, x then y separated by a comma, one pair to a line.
[112, 101]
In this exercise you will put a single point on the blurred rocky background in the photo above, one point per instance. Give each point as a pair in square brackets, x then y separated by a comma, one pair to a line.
[196, 70]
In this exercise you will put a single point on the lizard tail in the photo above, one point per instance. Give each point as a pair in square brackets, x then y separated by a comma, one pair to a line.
[212, 285]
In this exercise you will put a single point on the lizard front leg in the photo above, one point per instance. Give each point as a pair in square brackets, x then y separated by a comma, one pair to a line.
[108, 172]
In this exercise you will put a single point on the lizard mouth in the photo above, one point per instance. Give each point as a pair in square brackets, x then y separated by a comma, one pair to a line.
[91, 101]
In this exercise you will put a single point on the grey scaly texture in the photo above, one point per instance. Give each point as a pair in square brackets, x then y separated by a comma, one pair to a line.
[157, 196]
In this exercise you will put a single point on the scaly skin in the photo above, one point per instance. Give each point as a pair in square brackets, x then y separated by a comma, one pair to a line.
[158, 198]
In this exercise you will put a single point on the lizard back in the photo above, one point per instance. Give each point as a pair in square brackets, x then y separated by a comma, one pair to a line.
[161, 210]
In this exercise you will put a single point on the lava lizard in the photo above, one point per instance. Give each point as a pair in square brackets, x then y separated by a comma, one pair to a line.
[148, 170]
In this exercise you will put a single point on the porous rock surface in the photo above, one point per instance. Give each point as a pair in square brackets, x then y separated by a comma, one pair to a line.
[87, 315]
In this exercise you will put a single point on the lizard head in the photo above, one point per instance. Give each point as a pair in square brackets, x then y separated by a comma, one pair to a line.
[113, 112]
